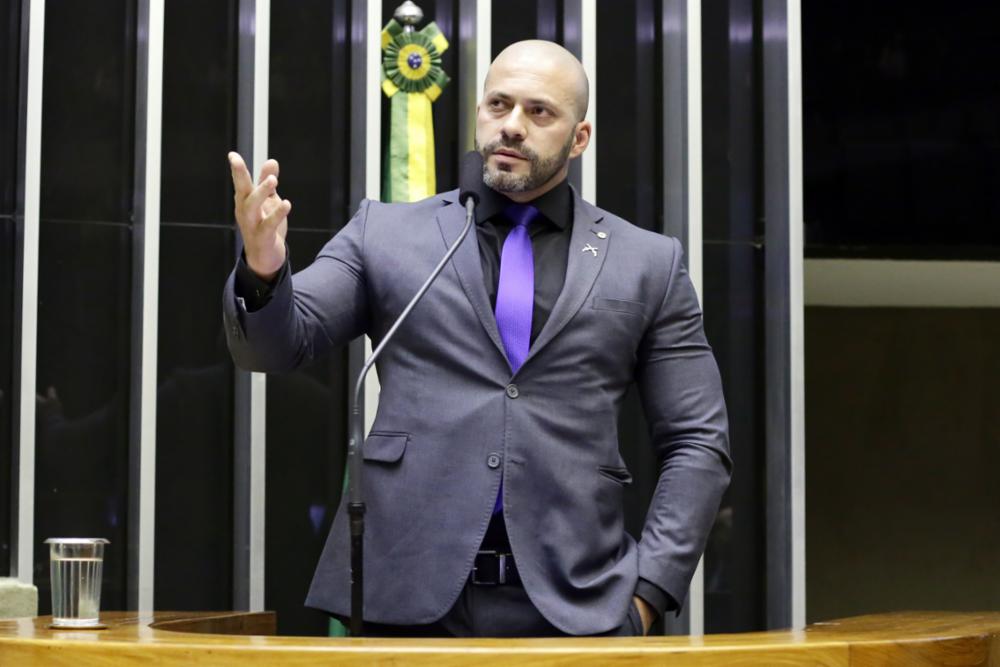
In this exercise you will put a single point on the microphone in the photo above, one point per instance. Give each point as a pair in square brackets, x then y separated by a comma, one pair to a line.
[470, 177]
[470, 181]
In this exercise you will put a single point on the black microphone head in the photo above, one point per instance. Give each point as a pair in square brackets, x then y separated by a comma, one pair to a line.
[470, 178]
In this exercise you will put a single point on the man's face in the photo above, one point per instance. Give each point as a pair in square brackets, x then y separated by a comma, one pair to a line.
[526, 126]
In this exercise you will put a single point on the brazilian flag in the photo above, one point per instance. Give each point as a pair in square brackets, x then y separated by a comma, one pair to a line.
[412, 79]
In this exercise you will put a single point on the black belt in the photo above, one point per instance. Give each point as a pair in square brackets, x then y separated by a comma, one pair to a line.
[494, 568]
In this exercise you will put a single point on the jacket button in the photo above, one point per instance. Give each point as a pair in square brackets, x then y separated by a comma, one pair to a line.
[493, 460]
[512, 391]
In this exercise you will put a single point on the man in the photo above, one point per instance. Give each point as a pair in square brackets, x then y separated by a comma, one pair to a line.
[493, 479]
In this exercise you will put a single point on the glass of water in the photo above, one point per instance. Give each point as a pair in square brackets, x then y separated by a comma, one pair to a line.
[76, 567]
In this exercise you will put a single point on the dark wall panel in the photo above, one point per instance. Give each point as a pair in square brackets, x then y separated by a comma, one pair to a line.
[199, 111]
[194, 400]
[901, 129]
[89, 103]
[309, 103]
[628, 111]
[309, 135]
[8, 326]
[84, 303]
[734, 558]
[10, 62]
[733, 303]
[516, 20]
[81, 439]
[10, 25]
[194, 422]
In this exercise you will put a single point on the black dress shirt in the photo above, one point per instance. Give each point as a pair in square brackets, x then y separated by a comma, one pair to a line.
[550, 235]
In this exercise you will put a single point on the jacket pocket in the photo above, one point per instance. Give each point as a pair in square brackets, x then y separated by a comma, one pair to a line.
[384, 446]
[619, 305]
[620, 475]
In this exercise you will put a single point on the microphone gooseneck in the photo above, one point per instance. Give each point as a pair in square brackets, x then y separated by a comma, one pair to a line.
[471, 178]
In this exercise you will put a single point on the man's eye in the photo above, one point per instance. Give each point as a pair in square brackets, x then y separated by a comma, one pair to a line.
[495, 104]
[539, 111]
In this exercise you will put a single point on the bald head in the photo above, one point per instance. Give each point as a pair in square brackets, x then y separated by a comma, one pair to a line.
[531, 120]
[555, 68]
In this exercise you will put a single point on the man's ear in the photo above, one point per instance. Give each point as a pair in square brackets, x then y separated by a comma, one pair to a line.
[581, 138]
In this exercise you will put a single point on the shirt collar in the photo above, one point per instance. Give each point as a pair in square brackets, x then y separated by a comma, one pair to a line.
[556, 204]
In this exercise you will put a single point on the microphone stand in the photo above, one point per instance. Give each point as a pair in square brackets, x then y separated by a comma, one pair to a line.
[356, 505]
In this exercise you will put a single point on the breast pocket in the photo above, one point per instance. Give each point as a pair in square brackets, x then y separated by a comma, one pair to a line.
[626, 306]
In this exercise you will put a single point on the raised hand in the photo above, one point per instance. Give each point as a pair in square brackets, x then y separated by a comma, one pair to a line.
[261, 215]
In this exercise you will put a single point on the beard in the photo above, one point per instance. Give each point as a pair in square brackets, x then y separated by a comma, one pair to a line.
[540, 170]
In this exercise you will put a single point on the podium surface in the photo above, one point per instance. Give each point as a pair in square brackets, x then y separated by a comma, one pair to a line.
[231, 638]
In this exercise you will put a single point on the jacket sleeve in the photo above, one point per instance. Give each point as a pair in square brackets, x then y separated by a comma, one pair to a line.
[681, 391]
[320, 307]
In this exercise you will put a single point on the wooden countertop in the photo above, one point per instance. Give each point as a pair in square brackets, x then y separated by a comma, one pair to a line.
[236, 638]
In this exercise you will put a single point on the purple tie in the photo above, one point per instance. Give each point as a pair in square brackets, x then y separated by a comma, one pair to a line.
[516, 290]
[516, 294]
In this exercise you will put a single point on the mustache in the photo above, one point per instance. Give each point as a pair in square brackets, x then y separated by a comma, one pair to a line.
[518, 146]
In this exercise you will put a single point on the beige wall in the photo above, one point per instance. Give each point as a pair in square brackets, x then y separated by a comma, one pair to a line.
[902, 459]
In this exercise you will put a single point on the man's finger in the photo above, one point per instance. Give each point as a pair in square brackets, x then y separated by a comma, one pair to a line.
[274, 218]
[269, 168]
[260, 193]
[242, 182]
[270, 203]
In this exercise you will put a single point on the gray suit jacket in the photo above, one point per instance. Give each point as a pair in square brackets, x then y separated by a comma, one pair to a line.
[452, 417]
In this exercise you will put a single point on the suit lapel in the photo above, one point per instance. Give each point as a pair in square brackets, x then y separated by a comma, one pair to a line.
[451, 219]
[587, 251]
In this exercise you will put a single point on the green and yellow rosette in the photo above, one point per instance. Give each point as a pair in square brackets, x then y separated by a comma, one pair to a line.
[412, 78]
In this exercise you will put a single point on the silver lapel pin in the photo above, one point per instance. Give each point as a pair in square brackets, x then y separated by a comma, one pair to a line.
[591, 248]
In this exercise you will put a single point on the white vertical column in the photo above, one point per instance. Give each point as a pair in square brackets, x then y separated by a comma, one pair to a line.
[373, 160]
[373, 101]
[146, 261]
[784, 405]
[484, 42]
[250, 389]
[473, 46]
[32, 51]
[694, 234]
[588, 56]
[695, 248]
[797, 314]
[258, 381]
[682, 189]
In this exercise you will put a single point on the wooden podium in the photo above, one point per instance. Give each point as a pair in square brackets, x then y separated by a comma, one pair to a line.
[247, 639]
